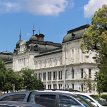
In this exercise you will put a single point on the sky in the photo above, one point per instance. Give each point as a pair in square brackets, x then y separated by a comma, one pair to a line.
[53, 18]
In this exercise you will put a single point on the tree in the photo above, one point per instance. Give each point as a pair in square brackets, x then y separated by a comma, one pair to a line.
[2, 74]
[87, 84]
[19, 81]
[95, 39]
[13, 81]
[9, 79]
[30, 80]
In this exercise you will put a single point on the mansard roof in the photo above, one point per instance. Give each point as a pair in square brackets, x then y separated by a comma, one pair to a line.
[75, 33]
[43, 43]
[42, 46]
[58, 50]
[6, 56]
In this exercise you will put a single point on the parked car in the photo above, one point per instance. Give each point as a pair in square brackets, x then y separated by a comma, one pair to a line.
[17, 99]
[87, 96]
[45, 98]
[63, 99]
[17, 104]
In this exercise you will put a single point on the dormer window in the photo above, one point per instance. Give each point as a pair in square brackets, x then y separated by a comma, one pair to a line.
[73, 35]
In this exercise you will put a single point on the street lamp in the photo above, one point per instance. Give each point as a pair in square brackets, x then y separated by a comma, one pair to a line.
[65, 68]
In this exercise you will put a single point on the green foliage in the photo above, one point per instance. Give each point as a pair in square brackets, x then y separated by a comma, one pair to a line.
[30, 80]
[95, 39]
[2, 74]
[18, 81]
[10, 80]
[104, 96]
[2, 66]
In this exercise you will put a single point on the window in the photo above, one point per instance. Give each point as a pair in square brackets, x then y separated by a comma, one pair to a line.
[60, 75]
[40, 76]
[60, 86]
[49, 86]
[72, 72]
[73, 86]
[14, 97]
[89, 73]
[66, 101]
[82, 72]
[54, 75]
[49, 75]
[82, 87]
[46, 100]
[44, 86]
[54, 86]
[44, 76]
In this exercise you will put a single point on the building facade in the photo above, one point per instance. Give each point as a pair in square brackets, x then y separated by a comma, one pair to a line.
[58, 65]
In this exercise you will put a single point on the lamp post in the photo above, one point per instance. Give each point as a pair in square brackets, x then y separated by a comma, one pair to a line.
[65, 68]
[13, 85]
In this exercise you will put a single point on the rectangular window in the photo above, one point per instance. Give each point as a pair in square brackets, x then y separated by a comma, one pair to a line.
[82, 73]
[49, 75]
[54, 75]
[54, 86]
[82, 87]
[72, 72]
[89, 73]
[73, 86]
[44, 86]
[60, 75]
[49, 86]
[40, 76]
[60, 86]
[44, 76]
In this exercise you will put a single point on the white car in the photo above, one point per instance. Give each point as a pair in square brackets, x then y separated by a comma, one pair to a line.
[88, 97]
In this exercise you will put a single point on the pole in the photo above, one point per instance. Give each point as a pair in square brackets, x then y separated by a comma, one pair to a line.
[65, 68]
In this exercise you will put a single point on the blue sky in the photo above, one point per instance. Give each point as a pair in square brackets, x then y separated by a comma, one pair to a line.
[53, 18]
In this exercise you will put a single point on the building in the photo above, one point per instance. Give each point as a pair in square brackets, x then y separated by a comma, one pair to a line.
[58, 65]
[7, 57]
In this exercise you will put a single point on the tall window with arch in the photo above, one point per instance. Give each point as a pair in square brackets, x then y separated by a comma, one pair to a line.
[72, 72]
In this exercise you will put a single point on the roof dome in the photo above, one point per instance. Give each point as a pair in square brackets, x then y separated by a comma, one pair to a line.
[21, 42]
[67, 37]
[33, 37]
[76, 33]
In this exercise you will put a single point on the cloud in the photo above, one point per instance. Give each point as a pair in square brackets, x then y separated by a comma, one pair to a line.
[92, 6]
[36, 7]
[7, 6]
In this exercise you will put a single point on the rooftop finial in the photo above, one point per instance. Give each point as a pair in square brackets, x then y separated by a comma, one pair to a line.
[39, 31]
[33, 30]
[20, 36]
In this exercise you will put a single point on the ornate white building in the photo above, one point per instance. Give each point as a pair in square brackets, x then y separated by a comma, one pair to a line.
[58, 65]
